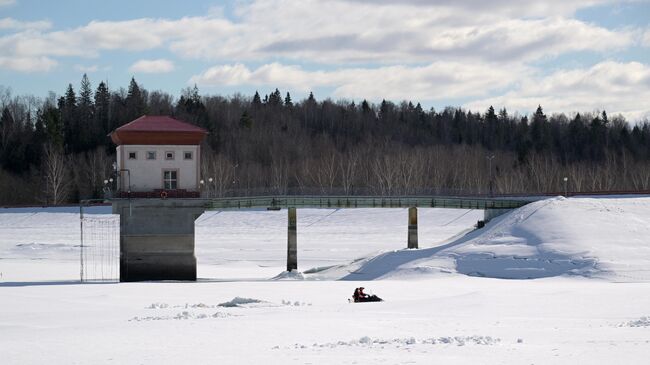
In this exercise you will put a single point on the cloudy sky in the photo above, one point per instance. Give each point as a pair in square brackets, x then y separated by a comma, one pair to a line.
[567, 55]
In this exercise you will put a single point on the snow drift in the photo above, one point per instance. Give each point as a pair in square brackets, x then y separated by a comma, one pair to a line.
[593, 237]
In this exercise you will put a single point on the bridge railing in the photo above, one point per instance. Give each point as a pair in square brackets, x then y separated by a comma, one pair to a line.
[363, 202]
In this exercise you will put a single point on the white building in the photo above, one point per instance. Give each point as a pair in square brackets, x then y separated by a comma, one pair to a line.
[158, 156]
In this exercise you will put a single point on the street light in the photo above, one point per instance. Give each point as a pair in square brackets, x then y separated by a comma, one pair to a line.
[566, 191]
[107, 188]
[234, 177]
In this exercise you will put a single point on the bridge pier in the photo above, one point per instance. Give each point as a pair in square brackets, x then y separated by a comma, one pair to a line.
[157, 238]
[292, 241]
[413, 228]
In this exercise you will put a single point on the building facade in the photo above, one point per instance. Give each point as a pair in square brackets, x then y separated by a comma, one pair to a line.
[158, 156]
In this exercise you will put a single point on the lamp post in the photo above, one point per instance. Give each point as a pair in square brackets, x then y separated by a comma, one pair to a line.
[108, 187]
[566, 190]
[234, 178]
[490, 158]
[210, 190]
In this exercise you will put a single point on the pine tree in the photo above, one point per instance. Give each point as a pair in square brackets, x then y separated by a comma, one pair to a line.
[102, 113]
[275, 99]
[54, 128]
[245, 121]
[135, 102]
[12, 146]
[539, 130]
[68, 109]
[287, 100]
[490, 133]
[365, 107]
[85, 116]
[257, 101]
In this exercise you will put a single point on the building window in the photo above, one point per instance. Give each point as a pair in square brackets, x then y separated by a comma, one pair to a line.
[187, 155]
[133, 156]
[170, 179]
[151, 155]
[169, 155]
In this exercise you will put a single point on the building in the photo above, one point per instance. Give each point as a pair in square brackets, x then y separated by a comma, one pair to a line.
[158, 157]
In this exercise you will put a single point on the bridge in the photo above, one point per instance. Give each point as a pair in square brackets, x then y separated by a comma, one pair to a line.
[276, 202]
[157, 235]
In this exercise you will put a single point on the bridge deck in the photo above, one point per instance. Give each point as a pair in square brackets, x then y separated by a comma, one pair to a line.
[363, 202]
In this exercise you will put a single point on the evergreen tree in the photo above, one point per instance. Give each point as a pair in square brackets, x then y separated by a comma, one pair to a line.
[523, 142]
[135, 102]
[54, 128]
[490, 134]
[86, 116]
[68, 109]
[257, 101]
[246, 121]
[12, 146]
[598, 134]
[275, 99]
[102, 112]
[287, 100]
[365, 107]
[539, 130]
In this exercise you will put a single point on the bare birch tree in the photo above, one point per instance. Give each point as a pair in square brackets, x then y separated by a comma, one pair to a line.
[57, 175]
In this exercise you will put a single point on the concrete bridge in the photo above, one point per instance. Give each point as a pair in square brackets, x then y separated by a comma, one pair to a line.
[157, 235]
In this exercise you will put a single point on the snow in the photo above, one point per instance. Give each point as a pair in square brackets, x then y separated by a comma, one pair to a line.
[582, 293]
[606, 238]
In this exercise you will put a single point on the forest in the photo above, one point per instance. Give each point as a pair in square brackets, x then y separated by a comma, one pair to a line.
[56, 149]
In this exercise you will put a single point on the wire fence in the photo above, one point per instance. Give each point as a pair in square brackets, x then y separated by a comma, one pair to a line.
[99, 247]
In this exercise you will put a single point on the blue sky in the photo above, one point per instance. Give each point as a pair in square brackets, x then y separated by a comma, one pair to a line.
[568, 55]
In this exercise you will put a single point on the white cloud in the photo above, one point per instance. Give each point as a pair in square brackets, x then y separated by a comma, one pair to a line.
[152, 66]
[27, 64]
[7, 2]
[616, 87]
[436, 80]
[10, 23]
[507, 7]
[361, 33]
[413, 49]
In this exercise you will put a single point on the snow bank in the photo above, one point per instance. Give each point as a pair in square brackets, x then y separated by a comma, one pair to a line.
[289, 275]
[591, 237]
[239, 302]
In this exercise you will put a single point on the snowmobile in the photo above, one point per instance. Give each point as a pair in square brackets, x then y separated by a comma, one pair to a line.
[360, 297]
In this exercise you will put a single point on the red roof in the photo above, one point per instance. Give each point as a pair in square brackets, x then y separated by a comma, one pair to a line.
[160, 123]
[158, 130]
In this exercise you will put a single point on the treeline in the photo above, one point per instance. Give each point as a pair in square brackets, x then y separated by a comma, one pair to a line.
[57, 150]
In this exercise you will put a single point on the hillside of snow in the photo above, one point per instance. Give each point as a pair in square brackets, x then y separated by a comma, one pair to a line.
[601, 237]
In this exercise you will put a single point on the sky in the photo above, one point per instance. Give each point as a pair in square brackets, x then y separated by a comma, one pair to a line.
[566, 55]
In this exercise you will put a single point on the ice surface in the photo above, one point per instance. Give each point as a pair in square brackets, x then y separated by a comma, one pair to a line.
[589, 303]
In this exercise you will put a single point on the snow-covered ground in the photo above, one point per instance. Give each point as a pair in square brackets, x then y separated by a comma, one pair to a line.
[444, 303]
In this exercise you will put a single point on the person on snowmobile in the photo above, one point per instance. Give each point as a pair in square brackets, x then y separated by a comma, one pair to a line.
[357, 295]
[360, 296]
